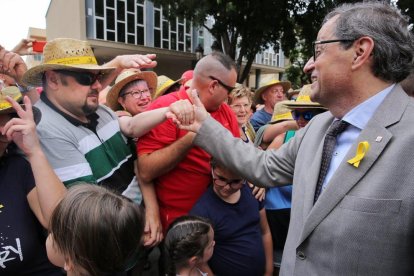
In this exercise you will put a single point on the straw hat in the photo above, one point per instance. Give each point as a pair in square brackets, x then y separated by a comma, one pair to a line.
[281, 113]
[292, 92]
[123, 79]
[64, 53]
[14, 93]
[266, 84]
[303, 100]
[164, 83]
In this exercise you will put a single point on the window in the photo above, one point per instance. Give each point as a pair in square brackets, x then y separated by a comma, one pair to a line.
[120, 20]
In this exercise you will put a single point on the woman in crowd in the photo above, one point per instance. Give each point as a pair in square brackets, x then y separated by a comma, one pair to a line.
[240, 101]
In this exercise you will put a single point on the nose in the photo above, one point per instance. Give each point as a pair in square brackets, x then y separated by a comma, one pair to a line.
[309, 66]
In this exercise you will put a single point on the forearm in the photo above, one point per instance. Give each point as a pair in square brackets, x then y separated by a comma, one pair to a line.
[163, 160]
[50, 190]
[141, 123]
[274, 130]
[267, 242]
[149, 196]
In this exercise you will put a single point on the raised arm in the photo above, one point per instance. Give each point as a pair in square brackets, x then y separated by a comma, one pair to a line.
[14, 66]
[128, 61]
[49, 189]
[143, 122]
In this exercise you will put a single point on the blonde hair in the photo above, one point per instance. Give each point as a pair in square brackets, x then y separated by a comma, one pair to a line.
[239, 92]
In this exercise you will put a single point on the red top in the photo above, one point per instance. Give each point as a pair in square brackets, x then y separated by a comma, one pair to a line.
[178, 190]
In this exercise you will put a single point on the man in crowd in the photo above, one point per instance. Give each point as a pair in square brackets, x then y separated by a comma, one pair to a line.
[167, 159]
[352, 214]
[269, 94]
[82, 139]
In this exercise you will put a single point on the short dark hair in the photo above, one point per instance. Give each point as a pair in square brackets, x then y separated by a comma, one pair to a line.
[98, 230]
[225, 60]
[394, 44]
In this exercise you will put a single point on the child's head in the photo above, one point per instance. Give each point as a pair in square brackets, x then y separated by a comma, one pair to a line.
[94, 231]
[189, 241]
[225, 181]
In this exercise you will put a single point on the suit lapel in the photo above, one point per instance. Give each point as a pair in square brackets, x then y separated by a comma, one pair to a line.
[347, 176]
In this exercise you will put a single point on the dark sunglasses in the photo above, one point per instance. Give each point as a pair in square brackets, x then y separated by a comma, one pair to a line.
[307, 115]
[228, 88]
[83, 78]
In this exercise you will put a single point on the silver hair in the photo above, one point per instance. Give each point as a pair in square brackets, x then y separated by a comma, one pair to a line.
[393, 42]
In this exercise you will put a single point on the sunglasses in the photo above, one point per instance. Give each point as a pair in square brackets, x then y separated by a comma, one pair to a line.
[83, 78]
[307, 115]
[228, 88]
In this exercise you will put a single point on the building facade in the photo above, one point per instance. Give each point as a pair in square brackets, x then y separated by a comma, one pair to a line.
[116, 27]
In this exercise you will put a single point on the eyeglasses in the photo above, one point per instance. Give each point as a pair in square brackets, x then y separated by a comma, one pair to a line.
[228, 88]
[238, 107]
[317, 52]
[83, 78]
[307, 115]
[222, 182]
[137, 94]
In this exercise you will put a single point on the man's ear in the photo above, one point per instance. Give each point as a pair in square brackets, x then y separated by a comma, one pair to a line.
[52, 79]
[363, 50]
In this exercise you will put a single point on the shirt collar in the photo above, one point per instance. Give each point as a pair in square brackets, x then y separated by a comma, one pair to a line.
[92, 118]
[362, 113]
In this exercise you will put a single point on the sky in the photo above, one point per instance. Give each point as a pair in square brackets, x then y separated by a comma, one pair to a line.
[16, 18]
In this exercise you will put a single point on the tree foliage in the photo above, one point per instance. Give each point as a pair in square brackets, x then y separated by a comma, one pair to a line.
[246, 27]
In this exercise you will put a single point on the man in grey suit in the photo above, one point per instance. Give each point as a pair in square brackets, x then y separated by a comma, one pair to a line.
[363, 221]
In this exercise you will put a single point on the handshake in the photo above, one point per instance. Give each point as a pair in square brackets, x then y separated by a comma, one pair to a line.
[187, 115]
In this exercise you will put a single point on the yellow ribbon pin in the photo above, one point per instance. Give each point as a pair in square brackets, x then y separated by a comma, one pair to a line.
[362, 149]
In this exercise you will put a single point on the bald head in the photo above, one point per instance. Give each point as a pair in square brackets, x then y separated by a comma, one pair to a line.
[215, 63]
[213, 76]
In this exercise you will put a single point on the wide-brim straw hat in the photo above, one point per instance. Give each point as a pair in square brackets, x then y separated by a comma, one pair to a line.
[164, 83]
[14, 93]
[266, 84]
[303, 100]
[123, 79]
[64, 54]
[281, 113]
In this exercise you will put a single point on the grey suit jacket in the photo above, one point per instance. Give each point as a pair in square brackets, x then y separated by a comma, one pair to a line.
[363, 223]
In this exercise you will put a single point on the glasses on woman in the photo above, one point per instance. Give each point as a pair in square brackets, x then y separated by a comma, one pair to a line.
[137, 94]
[83, 78]
[306, 115]
[222, 182]
[238, 107]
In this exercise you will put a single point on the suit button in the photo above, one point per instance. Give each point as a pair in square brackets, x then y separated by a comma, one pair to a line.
[301, 255]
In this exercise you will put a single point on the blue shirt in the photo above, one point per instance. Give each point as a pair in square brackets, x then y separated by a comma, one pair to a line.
[239, 244]
[358, 118]
[260, 118]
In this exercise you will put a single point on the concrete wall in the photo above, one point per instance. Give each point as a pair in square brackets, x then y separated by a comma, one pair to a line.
[66, 18]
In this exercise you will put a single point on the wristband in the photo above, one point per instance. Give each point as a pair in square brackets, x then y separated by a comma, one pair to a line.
[23, 88]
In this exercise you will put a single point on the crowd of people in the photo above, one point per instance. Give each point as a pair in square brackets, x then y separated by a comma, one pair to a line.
[113, 170]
